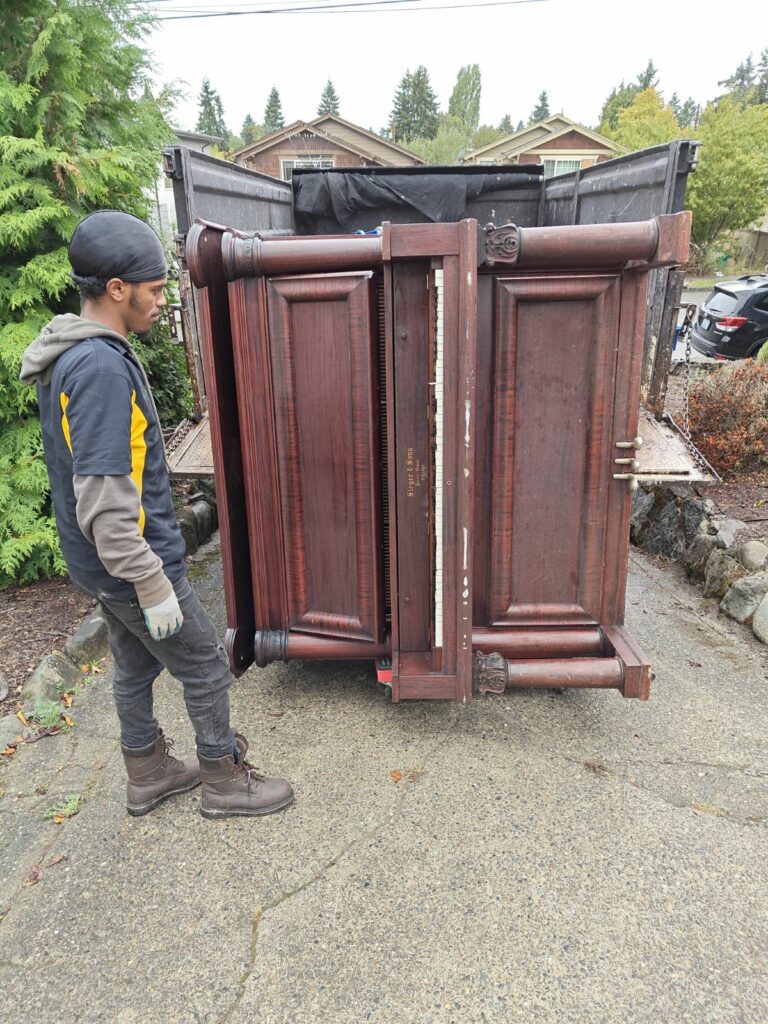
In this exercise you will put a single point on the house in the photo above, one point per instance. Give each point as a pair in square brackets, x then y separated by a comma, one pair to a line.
[327, 141]
[163, 212]
[557, 142]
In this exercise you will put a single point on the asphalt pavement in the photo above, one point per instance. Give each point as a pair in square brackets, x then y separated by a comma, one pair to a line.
[534, 857]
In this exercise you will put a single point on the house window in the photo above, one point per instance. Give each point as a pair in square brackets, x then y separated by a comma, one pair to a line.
[553, 167]
[319, 163]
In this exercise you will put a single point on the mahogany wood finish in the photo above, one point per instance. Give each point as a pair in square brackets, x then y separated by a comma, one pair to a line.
[542, 343]
[326, 419]
[203, 253]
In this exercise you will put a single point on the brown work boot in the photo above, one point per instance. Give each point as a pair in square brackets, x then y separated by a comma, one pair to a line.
[235, 787]
[154, 774]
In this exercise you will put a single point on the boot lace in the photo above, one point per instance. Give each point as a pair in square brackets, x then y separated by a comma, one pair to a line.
[251, 772]
[167, 756]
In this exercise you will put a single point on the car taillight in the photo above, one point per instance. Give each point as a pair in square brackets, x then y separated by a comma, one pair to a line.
[729, 324]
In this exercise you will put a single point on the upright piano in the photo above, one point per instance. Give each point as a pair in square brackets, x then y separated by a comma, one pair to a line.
[425, 447]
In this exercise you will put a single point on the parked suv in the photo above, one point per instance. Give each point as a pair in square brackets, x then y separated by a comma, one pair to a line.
[733, 321]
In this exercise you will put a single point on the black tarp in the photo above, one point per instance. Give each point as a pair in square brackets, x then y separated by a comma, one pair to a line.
[363, 198]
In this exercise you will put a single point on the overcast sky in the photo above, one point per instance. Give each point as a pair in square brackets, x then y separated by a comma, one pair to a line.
[577, 51]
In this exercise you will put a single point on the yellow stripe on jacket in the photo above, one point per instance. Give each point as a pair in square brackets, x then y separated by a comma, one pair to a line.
[64, 399]
[138, 453]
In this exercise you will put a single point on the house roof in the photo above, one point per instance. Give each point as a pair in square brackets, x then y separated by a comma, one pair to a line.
[364, 131]
[181, 134]
[267, 141]
[543, 131]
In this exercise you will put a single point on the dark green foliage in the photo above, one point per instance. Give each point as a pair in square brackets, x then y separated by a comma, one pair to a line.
[79, 130]
[250, 130]
[273, 113]
[329, 101]
[505, 125]
[748, 84]
[541, 111]
[210, 116]
[415, 114]
[623, 95]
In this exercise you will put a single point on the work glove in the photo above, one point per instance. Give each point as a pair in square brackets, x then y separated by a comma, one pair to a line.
[164, 619]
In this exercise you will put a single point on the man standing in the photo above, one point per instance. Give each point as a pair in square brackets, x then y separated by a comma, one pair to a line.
[119, 536]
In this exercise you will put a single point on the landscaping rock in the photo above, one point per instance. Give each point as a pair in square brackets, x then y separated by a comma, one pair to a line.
[89, 642]
[188, 527]
[10, 728]
[728, 534]
[3, 687]
[697, 554]
[693, 513]
[742, 600]
[205, 519]
[664, 535]
[760, 621]
[720, 573]
[54, 674]
[753, 555]
[642, 503]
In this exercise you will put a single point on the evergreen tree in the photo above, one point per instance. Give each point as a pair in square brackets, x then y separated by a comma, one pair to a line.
[541, 111]
[273, 112]
[250, 130]
[689, 114]
[520, 126]
[464, 103]
[761, 82]
[79, 131]
[505, 125]
[210, 116]
[648, 79]
[748, 84]
[414, 112]
[329, 101]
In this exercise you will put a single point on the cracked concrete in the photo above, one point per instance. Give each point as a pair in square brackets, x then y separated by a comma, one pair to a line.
[547, 858]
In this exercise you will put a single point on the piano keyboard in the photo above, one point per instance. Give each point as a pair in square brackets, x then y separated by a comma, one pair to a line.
[437, 594]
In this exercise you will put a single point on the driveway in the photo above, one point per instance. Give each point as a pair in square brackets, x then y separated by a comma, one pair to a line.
[535, 858]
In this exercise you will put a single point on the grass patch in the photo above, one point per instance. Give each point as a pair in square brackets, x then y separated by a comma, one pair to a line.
[48, 714]
[68, 808]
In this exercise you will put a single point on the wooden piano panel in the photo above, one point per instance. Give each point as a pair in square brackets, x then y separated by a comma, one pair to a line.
[555, 360]
[323, 346]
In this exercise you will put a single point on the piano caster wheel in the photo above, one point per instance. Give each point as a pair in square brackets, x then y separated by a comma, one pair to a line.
[388, 693]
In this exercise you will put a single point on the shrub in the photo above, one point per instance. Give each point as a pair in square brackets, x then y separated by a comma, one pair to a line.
[729, 416]
[762, 355]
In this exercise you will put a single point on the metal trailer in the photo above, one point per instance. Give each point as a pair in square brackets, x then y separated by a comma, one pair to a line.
[634, 187]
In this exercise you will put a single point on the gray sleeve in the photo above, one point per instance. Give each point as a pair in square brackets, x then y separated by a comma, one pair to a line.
[108, 515]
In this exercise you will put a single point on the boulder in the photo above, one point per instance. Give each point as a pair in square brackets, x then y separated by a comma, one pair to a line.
[188, 526]
[760, 621]
[10, 728]
[89, 641]
[53, 675]
[693, 513]
[720, 573]
[664, 535]
[3, 687]
[697, 554]
[753, 555]
[642, 503]
[731, 532]
[742, 600]
[205, 519]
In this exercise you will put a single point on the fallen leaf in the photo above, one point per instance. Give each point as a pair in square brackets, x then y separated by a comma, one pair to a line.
[396, 776]
[694, 664]
[22, 718]
[68, 699]
[56, 860]
[33, 876]
[98, 765]
[51, 730]
[68, 720]
[8, 752]
[57, 819]
[415, 774]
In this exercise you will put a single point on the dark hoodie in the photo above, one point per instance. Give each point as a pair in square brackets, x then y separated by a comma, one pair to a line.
[106, 462]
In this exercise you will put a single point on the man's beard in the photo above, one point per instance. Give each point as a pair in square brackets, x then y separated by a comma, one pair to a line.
[144, 335]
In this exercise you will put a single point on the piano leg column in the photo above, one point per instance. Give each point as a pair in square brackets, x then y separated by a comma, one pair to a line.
[492, 673]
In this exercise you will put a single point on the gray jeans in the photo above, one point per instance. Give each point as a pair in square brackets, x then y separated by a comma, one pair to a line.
[194, 656]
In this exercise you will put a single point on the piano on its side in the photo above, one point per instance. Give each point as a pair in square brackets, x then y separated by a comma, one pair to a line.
[425, 447]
